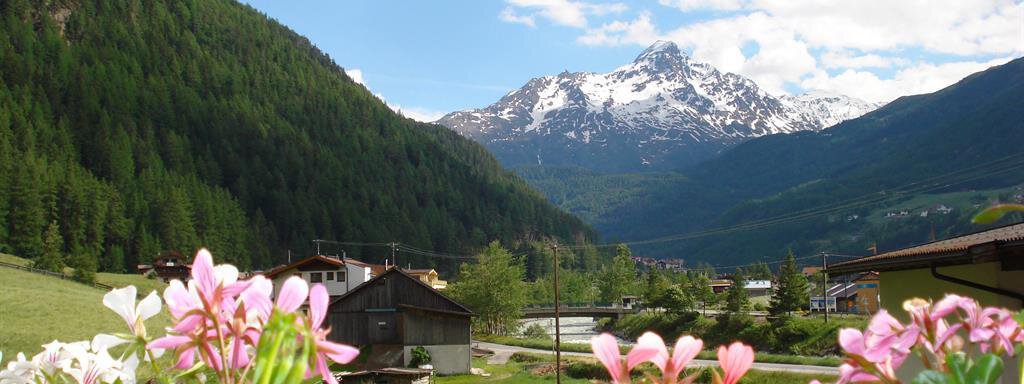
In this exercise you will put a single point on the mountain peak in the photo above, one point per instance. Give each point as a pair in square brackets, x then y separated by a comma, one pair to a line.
[660, 47]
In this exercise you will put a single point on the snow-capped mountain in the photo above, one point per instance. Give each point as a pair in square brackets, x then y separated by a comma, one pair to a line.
[662, 110]
[826, 109]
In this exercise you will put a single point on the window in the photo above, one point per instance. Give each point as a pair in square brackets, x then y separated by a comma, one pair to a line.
[316, 277]
[330, 276]
[341, 276]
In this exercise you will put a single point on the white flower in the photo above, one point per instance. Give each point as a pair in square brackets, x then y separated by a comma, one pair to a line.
[122, 302]
[51, 358]
[87, 367]
[19, 371]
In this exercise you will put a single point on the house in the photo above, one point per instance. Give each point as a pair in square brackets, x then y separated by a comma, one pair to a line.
[395, 312]
[428, 276]
[757, 288]
[867, 293]
[168, 266]
[720, 285]
[986, 265]
[338, 274]
[845, 296]
[810, 271]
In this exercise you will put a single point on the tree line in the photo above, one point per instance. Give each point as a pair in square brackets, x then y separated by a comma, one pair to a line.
[130, 128]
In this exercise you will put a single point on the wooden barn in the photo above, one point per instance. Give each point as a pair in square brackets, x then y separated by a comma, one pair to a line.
[394, 313]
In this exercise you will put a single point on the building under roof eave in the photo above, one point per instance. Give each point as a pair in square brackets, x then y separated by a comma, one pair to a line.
[986, 265]
[1004, 244]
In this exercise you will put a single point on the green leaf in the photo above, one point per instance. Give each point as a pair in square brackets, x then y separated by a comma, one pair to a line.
[958, 366]
[996, 212]
[931, 377]
[987, 369]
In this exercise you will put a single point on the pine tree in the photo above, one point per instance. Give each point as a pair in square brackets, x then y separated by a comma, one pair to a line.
[736, 299]
[619, 276]
[791, 289]
[699, 288]
[52, 256]
[177, 231]
[654, 289]
[26, 219]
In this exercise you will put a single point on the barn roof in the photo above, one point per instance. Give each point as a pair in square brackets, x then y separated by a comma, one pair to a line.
[397, 271]
[967, 249]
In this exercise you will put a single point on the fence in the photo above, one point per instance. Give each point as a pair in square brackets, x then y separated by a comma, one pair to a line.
[54, 274]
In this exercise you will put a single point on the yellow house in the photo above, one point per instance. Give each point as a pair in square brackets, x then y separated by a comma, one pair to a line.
[427, 276]
[986, 265]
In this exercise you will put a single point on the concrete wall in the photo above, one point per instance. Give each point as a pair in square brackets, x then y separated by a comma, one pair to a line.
[446, 359]
[898, 286]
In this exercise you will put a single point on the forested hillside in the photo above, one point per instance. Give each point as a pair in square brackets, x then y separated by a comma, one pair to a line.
[128, 128]
[958, 147]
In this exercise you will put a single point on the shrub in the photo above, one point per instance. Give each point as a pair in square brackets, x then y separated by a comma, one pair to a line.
[536, 331]
[420, 356]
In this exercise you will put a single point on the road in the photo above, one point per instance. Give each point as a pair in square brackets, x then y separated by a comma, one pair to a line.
[503, 352]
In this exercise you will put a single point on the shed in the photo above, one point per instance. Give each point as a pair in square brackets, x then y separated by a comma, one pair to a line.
[394, 313]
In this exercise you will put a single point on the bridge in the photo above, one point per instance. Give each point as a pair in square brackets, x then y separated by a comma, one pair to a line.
[581, 310]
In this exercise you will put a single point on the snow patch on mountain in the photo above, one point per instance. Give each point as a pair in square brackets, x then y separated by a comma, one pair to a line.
[661, 103]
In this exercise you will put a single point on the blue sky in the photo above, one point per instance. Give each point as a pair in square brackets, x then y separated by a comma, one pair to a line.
[427, 58]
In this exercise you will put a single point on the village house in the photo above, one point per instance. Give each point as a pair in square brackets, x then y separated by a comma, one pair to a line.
[168, 266]
[756, 288]
[867, 293]
[395, 312]
[428, 276]
[338, 274]
[986, 265]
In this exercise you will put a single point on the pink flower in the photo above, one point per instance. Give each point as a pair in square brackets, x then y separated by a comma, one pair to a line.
[686, 349]
[879, 350]
[606, 349]
[339, 353]
[735, 361]
[293, 294]
[979, 322]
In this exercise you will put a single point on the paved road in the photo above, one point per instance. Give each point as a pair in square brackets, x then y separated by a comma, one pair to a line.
[503, 352]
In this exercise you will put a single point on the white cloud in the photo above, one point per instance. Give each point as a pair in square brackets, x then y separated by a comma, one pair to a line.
[782, 44]
[419, 114]
[847, 59]
[509, 15]
[917, 79]
[640, 31]
[356, 75]
[561, 12]
[688, 5]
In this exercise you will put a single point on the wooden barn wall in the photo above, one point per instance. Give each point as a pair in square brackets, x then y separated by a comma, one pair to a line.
[391, 291]
[424, 328]
[374, 296]
[414, 293]
[362, 328]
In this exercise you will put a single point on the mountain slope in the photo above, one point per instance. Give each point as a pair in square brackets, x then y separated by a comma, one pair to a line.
[962, 138]
[662, 111]
[133, 129]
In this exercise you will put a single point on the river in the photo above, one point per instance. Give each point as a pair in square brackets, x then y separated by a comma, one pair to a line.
[574, 329]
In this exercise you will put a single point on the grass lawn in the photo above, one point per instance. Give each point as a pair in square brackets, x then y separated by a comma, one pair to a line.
[143, 284]
[116, 280]
[826, 361]
[519, 372]
[36, 309]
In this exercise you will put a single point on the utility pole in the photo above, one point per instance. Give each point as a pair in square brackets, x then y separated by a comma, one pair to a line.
[824, 285]
[558, 330]
[317, 247]
[394, 261]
